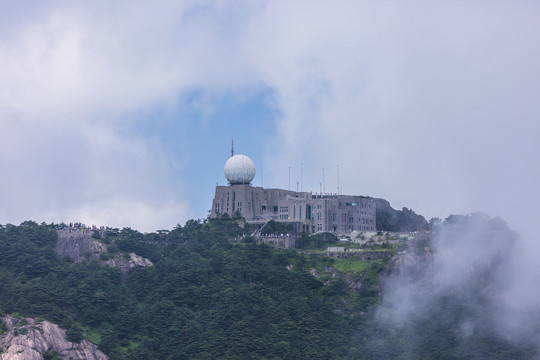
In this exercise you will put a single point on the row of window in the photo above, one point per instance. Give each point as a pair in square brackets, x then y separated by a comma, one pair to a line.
[361, 228]
[320, 228]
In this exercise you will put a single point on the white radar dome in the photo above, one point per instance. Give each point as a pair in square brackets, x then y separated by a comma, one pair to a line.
[239, 169]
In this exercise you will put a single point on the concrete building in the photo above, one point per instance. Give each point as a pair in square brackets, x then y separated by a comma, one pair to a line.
[310, 213]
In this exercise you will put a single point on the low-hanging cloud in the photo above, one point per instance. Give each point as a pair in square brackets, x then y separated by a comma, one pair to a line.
[462, 282]
[76, 81]
[88, 174]
[430, 106]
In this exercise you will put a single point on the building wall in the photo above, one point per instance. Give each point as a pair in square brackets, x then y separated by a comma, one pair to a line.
[254, 203]
[310, 213]
[343, 213]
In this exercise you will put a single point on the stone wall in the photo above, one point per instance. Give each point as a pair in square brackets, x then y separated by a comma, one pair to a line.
[360, 255]
[281, 241]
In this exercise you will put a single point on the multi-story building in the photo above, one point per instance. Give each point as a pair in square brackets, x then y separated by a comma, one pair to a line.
[309, 212]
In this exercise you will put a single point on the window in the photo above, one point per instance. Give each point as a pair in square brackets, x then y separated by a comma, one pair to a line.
[283, 212]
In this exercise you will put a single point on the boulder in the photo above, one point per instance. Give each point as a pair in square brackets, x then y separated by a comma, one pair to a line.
[27, 339]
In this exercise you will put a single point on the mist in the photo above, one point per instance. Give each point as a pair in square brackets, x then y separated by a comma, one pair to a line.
[468, 290]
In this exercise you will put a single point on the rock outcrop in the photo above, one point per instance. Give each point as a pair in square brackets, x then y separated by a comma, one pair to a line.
[80, 246]
[126, 263]
[404, 220]
[26, 339]
[412, 261]
[354, 284]
[464, 253]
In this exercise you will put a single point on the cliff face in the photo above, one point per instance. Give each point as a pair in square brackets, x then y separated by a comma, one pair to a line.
[24, 339]
[413, 260]
[465, 253]
[404, 220]
[80, 246]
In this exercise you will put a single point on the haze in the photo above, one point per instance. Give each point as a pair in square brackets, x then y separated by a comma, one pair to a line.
[122, 113]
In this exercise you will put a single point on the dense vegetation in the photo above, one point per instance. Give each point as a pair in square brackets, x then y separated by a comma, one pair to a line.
[204, 298]
[207, 297]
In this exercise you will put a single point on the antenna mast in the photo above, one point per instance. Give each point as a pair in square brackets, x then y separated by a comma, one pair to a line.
[324, 188]
[338, 178]
[301, 173]
[289, 178]
[232, 147]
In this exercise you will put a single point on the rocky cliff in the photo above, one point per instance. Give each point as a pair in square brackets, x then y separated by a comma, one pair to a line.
[27, 339]
[80, 246]
[412, 261]
[404, 220]
[466, 252]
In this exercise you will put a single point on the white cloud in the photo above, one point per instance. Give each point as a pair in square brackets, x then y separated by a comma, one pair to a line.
[428, 105]
[431, 106]
[87, 173]
[77, 78]
[65, 151]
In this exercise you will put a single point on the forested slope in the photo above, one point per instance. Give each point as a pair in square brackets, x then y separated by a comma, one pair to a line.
[204, 298]
[207, 297]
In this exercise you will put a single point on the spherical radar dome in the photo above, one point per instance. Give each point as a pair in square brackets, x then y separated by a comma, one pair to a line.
[239, 169]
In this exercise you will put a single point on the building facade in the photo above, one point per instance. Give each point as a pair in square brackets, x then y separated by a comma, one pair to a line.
[311, 213]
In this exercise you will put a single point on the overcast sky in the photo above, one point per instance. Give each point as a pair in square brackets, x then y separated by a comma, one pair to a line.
[121, 113]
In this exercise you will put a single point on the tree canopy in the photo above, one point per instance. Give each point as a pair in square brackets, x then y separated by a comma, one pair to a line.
[206, 297]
